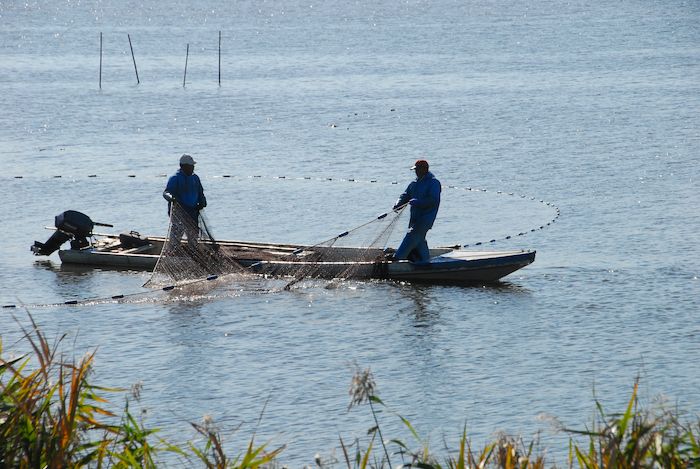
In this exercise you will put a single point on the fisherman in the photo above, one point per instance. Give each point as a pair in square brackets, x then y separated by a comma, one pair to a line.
[423, 195]
[185, 197]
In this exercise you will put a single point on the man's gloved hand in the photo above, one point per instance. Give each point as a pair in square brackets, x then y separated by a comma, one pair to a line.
[389, 254]
[413, 201]
[168, 196]
[201, 205]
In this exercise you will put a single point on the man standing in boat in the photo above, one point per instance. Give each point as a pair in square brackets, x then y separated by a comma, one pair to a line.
[423, 195]
[185, 196]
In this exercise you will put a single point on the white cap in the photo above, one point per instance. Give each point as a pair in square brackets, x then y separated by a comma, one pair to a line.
[187, 159]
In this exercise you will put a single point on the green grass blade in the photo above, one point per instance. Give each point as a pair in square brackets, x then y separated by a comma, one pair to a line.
[410, 427]
[629, 412]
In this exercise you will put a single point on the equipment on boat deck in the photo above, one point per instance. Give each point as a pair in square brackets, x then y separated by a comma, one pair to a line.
[70, 225]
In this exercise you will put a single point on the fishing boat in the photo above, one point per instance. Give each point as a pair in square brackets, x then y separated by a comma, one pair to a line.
[447, 265]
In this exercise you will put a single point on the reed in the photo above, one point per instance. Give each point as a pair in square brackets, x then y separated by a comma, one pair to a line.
[46, 411]
[213, 456]
[52, 416]
[506, 452]
[638, 437]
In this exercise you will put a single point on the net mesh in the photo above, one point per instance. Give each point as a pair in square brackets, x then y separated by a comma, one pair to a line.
[197, 257]
[357, 253]
[190, 253]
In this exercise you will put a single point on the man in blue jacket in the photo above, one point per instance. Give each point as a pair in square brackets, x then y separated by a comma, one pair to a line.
[185, 196]
[423, 195]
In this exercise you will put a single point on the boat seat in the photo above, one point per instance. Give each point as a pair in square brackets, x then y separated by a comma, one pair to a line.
[138, 249]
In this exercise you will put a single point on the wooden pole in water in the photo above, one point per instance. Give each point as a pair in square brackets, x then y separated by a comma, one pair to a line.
[219, 58]
[187, 56]
[134, 59]
[100, 59]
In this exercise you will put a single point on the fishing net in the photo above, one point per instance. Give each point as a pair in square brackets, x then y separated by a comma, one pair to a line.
[191, 254]
[357, 253]
[196, 257]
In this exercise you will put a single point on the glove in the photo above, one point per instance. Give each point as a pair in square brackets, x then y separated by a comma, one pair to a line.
[201, 205]
[413, 201]
[168, 196]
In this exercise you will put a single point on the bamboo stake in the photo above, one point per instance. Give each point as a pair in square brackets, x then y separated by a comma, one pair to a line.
[100, 59]
[187, 56]
[219, 58]
[134, 59]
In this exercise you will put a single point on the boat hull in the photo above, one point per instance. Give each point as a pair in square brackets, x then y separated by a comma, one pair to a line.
[108, 259]
[446, 266]
[456, 267]
[463, 267]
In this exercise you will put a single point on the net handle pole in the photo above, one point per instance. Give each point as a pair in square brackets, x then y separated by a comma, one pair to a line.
[398, 211]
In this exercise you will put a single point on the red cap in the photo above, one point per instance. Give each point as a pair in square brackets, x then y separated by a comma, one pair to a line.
[420, 164]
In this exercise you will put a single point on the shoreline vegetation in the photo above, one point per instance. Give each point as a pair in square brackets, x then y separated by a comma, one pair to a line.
[52, 416]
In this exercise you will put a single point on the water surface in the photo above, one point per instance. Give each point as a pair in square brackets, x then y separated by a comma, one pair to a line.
[589, 107]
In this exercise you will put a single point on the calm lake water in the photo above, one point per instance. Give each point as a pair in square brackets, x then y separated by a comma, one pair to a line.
[589, 108]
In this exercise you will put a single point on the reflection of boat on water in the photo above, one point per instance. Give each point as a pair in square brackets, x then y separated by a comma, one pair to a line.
[132, 251]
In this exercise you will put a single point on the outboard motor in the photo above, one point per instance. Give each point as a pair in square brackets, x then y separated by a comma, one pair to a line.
[70, 225]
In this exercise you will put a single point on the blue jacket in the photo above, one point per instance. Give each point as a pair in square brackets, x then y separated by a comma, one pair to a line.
[187, 190]
[427, 192]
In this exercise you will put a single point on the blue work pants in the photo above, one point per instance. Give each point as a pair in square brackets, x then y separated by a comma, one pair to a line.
[414, 247]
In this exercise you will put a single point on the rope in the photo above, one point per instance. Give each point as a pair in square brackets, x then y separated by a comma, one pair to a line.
[358, 181]
[112, 298]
